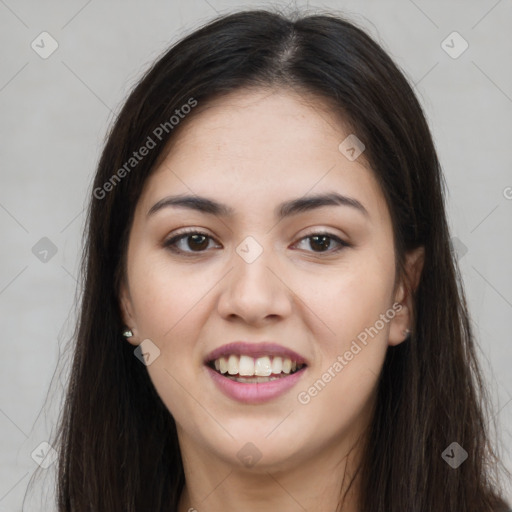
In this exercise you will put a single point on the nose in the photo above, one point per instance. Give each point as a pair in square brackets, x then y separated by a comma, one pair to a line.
[255, 292]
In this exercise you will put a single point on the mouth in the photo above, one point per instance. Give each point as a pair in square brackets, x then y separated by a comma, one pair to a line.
[253, 373]
[249, 370]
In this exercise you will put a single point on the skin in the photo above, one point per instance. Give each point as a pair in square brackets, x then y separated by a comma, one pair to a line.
[253, 150]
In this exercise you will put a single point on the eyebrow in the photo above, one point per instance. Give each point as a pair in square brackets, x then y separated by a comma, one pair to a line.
[286, 209]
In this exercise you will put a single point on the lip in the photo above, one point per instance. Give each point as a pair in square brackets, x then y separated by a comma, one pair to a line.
[255, 393]
[258, 392]
[259, 349]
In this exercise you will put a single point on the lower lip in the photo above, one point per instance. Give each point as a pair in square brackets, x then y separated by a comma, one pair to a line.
[257, 392]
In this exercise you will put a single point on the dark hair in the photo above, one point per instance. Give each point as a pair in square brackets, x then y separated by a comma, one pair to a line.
[118, 442]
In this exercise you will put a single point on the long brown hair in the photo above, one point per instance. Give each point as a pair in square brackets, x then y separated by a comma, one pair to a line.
[118, 442]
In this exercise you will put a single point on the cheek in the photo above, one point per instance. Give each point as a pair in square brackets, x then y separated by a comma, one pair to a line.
[339, 392]
[358, 307]
[169, 311]
[164, 296]
[350, 300]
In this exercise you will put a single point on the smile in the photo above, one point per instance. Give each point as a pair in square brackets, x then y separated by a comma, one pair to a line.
[247, 369]
[254, 372]
[255, 389]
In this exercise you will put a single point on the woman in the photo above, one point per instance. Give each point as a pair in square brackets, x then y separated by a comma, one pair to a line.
[272, 316]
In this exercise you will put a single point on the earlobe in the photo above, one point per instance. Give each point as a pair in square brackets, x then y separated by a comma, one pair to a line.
[402, 324]
[125, 306]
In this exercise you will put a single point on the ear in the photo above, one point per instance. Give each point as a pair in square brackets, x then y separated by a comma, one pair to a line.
[405, 296]
[127, 313]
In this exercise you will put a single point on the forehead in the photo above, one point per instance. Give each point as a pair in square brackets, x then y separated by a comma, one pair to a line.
[256, 147]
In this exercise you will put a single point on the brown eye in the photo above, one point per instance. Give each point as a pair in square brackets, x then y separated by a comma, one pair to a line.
[321, 242]
[190, 242]
[197, 242]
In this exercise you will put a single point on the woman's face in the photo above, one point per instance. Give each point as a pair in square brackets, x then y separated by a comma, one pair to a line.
[264, 282]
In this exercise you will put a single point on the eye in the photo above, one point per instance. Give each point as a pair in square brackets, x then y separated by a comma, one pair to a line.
[323, 240]
[197, 242]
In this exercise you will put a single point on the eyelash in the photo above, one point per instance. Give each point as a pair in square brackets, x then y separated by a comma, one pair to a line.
[171, 243]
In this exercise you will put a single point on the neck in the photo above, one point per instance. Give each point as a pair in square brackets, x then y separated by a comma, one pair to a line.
[324, 482]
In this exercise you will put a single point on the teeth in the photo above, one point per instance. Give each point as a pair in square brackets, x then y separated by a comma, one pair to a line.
[233, 364]
[262, 366]
[247, 366]
[277, 364]
[253, 380]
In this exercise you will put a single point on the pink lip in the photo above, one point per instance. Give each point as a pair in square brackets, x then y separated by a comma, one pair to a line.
[257, 392]
[259, 349]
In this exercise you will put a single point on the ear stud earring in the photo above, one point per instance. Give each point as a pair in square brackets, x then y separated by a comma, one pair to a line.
[406, 332]
[127, 333]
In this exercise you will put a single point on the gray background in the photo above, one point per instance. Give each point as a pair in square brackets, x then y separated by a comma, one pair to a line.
[54, 115]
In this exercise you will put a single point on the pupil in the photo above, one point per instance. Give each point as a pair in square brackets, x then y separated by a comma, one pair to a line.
[324, 244]
[195, 237]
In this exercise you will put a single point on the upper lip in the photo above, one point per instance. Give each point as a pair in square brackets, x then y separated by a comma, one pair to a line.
[254, 349]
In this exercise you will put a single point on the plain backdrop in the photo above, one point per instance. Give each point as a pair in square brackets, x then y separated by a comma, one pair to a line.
[54, 115]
